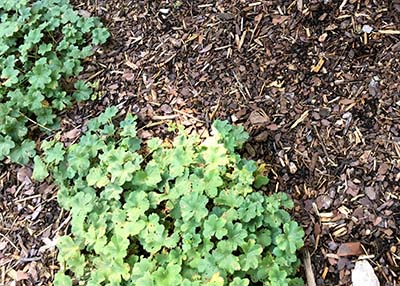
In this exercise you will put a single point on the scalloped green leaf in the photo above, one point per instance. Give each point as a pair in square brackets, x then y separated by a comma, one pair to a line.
[170, 214]
[39, 169]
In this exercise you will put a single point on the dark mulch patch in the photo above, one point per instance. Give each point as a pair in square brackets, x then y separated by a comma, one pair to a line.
[316, 83]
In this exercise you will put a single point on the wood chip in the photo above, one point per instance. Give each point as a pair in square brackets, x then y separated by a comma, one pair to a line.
[72, 134]
[256, 117]
[276, 20]
[318, 66]
[206, 49]
[350, 249]
[383, 168]
[17, 275]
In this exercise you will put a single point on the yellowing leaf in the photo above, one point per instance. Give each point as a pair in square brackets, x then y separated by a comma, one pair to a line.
[216, 280]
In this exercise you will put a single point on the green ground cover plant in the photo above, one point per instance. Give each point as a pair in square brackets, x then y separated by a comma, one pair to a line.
[42, 44]
[186, 212]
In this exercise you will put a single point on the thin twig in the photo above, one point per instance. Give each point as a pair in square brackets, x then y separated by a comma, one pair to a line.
[13, 245]
[323, 146]
[34, 122]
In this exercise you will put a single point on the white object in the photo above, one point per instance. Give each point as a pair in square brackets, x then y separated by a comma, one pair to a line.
[363, 274]
[367, 29]
[164, 11]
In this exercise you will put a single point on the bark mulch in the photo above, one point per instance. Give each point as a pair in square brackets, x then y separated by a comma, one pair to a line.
[316, 84]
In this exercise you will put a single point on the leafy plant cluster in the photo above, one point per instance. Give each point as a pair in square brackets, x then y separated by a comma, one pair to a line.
[184, 212]
[42, 44]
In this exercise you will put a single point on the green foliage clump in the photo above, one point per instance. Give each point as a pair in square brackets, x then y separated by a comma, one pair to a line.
[42, 42]
[170, 213]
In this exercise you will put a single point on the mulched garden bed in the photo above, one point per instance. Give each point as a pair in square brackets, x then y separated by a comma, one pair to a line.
[316, 84]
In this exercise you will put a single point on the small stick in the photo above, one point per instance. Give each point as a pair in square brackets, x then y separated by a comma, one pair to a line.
[165, 117]
[215, 109]
[342, 5]
[389, 32]
[188, 115]
[34, 122]
[300, 5]
[308, 269]
[12, 244]
[301, 119]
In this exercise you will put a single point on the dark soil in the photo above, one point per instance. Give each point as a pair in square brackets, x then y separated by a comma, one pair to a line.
[316, 84]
